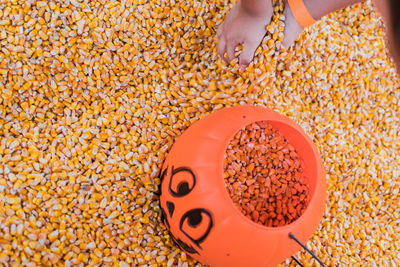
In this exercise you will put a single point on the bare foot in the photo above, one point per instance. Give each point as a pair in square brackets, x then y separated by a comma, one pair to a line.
[292, 28]
[243, 26]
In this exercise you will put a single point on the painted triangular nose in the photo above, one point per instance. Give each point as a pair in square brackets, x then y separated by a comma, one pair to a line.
[171, 208]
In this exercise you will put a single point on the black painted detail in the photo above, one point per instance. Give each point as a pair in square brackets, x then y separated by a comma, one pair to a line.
[164, 218]
[186, 247]
[161, 175]
[194, 218]
[170, 208]
[183, 187]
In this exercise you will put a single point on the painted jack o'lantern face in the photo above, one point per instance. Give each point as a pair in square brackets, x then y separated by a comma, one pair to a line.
[197, 208]
[194, 224]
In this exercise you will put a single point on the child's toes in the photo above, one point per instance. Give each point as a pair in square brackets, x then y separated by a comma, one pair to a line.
[292, 28]
[290, 36]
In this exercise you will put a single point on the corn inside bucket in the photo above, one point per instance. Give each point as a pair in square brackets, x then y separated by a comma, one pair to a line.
[264, 175]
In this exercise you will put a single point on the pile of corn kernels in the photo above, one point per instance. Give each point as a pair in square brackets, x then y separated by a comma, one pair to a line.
[94, 93]
[264, 175]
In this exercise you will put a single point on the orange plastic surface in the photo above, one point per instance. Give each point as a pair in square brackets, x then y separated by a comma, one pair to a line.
[300, 12]
[197, 207]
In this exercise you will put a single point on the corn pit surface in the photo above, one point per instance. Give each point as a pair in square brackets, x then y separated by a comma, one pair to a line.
[94, 93]
[264, 175]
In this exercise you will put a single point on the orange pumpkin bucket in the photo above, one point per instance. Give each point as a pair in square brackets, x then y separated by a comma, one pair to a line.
[198, 210]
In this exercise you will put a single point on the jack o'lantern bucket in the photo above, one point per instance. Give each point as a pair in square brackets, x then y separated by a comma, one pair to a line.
[196, 205]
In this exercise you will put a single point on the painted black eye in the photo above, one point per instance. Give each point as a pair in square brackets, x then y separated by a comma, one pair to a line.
[182, 181]
[196, 224]
[194, 219]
